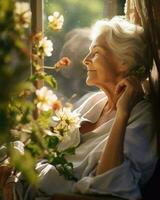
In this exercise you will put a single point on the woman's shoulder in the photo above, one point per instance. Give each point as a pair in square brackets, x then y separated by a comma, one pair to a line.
[142, 112]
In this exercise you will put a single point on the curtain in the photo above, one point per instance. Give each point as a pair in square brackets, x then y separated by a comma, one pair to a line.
[146, 14]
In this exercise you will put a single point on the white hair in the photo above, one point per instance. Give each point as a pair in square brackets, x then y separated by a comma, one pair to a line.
[126, 40]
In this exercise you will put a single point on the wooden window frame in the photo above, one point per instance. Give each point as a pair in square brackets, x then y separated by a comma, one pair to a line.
[36, 27]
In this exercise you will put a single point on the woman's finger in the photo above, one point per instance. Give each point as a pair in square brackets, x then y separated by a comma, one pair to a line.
[121, 86]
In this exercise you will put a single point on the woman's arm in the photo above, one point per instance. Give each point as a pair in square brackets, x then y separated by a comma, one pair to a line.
[112, 155]
[130, 92]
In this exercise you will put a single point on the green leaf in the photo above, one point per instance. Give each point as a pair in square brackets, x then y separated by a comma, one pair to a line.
[52, 141]
[37, 135]
[67, 171]
[69, 151]
[27, 116]
[23, 86]
[34, 149]
[58, 160]
[44, 119]
[50, 81]
[33, 78]
[24, 163]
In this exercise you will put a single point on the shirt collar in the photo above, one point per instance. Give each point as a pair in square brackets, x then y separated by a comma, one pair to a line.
[95, 111]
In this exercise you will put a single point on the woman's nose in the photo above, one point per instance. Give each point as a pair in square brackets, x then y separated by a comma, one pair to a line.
[86, 60]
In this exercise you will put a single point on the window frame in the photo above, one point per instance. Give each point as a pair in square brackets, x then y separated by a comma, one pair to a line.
[36, 27]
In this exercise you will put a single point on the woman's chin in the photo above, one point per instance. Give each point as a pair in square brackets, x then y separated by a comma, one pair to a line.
[90, 82]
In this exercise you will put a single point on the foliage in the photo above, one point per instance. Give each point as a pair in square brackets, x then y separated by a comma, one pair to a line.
[14, 64]
[29, 114]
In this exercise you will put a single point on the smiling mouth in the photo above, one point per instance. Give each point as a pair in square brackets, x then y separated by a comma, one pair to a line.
[91, 70]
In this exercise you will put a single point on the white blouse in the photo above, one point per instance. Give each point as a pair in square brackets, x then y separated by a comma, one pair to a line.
[124, 180]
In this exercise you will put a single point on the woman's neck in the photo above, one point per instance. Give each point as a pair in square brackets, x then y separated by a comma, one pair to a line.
[112, 97]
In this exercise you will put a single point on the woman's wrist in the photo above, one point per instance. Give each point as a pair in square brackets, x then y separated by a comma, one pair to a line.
[122, 116]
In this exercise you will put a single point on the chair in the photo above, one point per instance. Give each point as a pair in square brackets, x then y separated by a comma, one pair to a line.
[151, 190]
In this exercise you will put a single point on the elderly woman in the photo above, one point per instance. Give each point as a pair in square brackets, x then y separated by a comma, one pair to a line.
[117, 152]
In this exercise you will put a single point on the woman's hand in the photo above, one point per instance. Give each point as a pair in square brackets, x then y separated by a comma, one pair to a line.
[129, 92]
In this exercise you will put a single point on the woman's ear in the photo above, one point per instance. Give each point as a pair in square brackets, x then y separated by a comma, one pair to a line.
[124, 67]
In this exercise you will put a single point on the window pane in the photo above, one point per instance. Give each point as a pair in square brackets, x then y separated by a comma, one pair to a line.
[72, 41]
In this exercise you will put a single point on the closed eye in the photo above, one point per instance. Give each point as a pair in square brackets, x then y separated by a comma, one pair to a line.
[92, 54]
[95, 53]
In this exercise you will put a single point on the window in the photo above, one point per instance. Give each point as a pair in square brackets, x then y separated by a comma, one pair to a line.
[72, 41]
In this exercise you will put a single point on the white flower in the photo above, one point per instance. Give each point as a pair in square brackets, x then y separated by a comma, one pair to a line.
[50, 133]
[45, 46]
[71, 139]
[67, 126]
[65, 115]
[55, 21]
[45, 98]
[23, 14]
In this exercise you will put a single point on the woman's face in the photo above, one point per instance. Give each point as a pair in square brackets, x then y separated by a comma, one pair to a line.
[102, 65]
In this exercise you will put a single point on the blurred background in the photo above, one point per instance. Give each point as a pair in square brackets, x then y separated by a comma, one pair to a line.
[73, 40]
